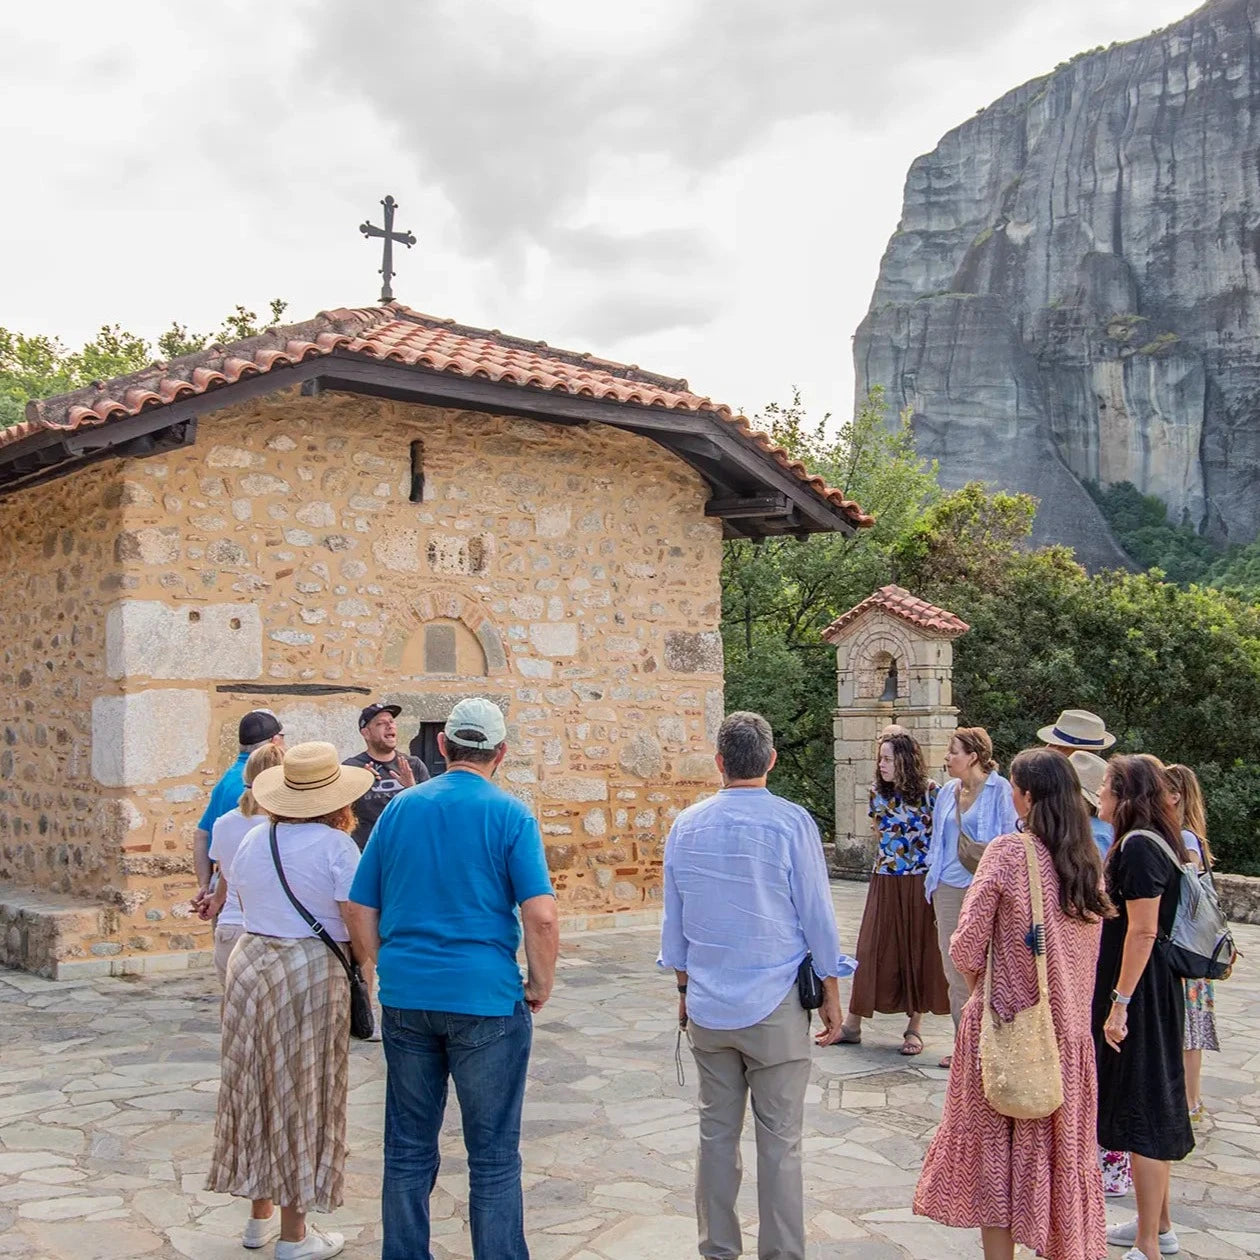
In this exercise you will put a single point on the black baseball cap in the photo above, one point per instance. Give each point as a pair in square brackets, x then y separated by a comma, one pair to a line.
[373, 709]
[257, 726]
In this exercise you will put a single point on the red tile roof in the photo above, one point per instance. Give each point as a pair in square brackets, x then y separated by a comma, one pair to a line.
[900, 603]
[398, 334]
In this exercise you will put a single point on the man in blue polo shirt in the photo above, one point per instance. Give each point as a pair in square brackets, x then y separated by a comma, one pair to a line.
[258, 727]
[435, 903]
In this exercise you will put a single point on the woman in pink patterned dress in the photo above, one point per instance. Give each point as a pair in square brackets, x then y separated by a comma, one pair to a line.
[1033, 1182]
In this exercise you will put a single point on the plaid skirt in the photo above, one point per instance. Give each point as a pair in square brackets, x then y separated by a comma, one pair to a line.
[280, 1130]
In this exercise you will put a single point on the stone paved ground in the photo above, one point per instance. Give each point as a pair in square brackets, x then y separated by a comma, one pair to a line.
[107, 1093]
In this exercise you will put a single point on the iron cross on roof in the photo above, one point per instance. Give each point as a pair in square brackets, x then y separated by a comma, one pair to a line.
[389, 236]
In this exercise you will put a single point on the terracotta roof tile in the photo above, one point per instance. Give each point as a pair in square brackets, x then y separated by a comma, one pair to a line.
[400, 335]
[898, 602]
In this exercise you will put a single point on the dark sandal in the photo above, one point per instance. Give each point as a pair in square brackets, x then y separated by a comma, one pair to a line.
[947, 1061]
[846, 1038]
[906, 1048]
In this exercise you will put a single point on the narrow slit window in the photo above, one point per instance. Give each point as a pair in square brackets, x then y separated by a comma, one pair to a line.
[417, 471]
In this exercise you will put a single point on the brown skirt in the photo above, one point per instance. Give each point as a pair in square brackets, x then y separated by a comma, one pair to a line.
[899, 961]
[280, 1130]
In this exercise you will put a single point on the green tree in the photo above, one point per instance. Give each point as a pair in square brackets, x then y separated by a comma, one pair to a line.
[779, 595]
[1238, 573]
[1141, 526]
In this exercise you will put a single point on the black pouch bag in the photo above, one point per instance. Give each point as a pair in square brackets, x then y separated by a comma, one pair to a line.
[808, 986]
[362, 1023]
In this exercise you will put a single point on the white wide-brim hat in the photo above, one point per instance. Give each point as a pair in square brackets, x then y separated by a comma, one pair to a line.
[1077, 728]
[312, 782]
[1091, 770]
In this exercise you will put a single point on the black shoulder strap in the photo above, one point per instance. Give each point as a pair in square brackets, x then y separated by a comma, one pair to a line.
[311, 921]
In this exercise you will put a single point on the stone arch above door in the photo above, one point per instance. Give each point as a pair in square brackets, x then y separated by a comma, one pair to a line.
[474, 645]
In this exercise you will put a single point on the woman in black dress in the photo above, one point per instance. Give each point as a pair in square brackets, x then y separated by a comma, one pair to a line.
[1139, 1003]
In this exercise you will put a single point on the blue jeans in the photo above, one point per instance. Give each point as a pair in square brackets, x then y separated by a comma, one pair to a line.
[487, 1055]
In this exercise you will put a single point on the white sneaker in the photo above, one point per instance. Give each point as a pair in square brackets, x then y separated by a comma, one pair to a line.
[258, 1233]
[1126, 1235]
[1134, 1254]
[315, 1246]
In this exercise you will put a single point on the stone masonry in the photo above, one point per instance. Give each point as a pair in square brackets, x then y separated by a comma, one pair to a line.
[569, 572]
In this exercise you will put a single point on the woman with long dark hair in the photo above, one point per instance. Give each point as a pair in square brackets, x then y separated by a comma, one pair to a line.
[1032, 1182]
[899, 959]
[1139, 1005]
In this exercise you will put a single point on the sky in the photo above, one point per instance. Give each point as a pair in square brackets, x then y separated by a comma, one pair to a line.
[701, 187]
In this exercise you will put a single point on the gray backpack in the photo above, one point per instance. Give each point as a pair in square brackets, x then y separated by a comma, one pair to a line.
[1200, 946]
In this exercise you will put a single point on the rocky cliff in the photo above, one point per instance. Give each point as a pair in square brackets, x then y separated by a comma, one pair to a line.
[1073, 291]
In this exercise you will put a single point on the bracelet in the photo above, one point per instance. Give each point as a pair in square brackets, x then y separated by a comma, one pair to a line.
[682, 988]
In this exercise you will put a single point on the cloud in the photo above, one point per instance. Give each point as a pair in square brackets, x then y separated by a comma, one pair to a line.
[615, 316]
[521, 128]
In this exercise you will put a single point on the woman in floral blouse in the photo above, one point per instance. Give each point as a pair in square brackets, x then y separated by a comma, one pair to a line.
[899, 959]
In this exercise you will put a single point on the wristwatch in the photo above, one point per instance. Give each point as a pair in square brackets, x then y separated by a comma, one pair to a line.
[682, 988]
[1120, 999]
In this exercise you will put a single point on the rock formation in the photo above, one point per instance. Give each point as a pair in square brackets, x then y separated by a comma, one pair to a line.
[1073, 291]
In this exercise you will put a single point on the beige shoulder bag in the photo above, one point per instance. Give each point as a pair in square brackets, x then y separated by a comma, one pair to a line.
[969, 851]
[1019, 1061]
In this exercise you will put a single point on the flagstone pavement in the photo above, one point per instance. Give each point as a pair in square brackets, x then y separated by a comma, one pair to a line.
[107, 1095]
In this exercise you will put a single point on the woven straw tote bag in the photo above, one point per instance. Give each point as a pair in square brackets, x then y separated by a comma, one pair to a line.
[1019, 1060]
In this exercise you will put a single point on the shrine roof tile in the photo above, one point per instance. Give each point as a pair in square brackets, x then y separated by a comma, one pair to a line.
[898, 602]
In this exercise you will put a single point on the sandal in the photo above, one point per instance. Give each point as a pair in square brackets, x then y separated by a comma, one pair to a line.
[847, 1038]
[946, 1061]
[908, 1046]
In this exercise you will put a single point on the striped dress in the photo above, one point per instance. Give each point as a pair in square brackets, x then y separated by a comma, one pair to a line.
[1038, 1178]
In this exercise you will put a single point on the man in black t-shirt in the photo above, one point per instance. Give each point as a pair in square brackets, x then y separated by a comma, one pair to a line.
[394, 771]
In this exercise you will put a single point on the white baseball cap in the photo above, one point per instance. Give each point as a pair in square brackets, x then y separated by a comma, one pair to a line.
[476, 714]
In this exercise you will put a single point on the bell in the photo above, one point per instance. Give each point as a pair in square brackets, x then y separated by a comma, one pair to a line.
[890, 683]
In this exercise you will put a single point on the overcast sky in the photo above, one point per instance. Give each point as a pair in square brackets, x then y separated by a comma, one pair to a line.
[703, 187]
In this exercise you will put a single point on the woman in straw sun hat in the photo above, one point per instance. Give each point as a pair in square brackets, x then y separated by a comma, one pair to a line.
[1077, 730]
[1090, 772]
[280, 1131]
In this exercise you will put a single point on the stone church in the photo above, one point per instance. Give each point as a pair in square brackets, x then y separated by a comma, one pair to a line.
[374, 503]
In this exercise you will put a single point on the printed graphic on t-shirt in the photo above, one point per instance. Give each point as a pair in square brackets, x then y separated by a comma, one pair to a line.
[371, 805]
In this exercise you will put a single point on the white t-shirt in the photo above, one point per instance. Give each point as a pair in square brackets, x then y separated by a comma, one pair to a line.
[319, 863]
[1193, 845]
[225, 839]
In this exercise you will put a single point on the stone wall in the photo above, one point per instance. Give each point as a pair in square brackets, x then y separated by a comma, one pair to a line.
[568, 572]
[59, 833]
[1240, 897]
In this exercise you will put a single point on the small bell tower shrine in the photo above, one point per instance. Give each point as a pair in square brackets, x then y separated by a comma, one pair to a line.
[894, 666]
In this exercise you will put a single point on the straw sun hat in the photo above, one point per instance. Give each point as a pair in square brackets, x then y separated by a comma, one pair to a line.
[1090, 771]
[1077, 728]
[312, 782]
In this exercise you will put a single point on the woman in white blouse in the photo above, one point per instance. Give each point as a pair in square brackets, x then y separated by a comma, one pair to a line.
[280, 1131]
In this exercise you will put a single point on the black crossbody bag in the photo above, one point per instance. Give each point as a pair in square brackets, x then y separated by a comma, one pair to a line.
[362, 1024]
[808, 986]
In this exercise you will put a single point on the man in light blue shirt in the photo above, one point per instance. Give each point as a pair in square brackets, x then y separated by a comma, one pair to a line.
[746, 898]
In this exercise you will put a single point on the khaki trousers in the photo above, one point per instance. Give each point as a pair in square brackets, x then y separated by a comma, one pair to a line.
[225, 937]
[947, 902]
[770, 1061]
